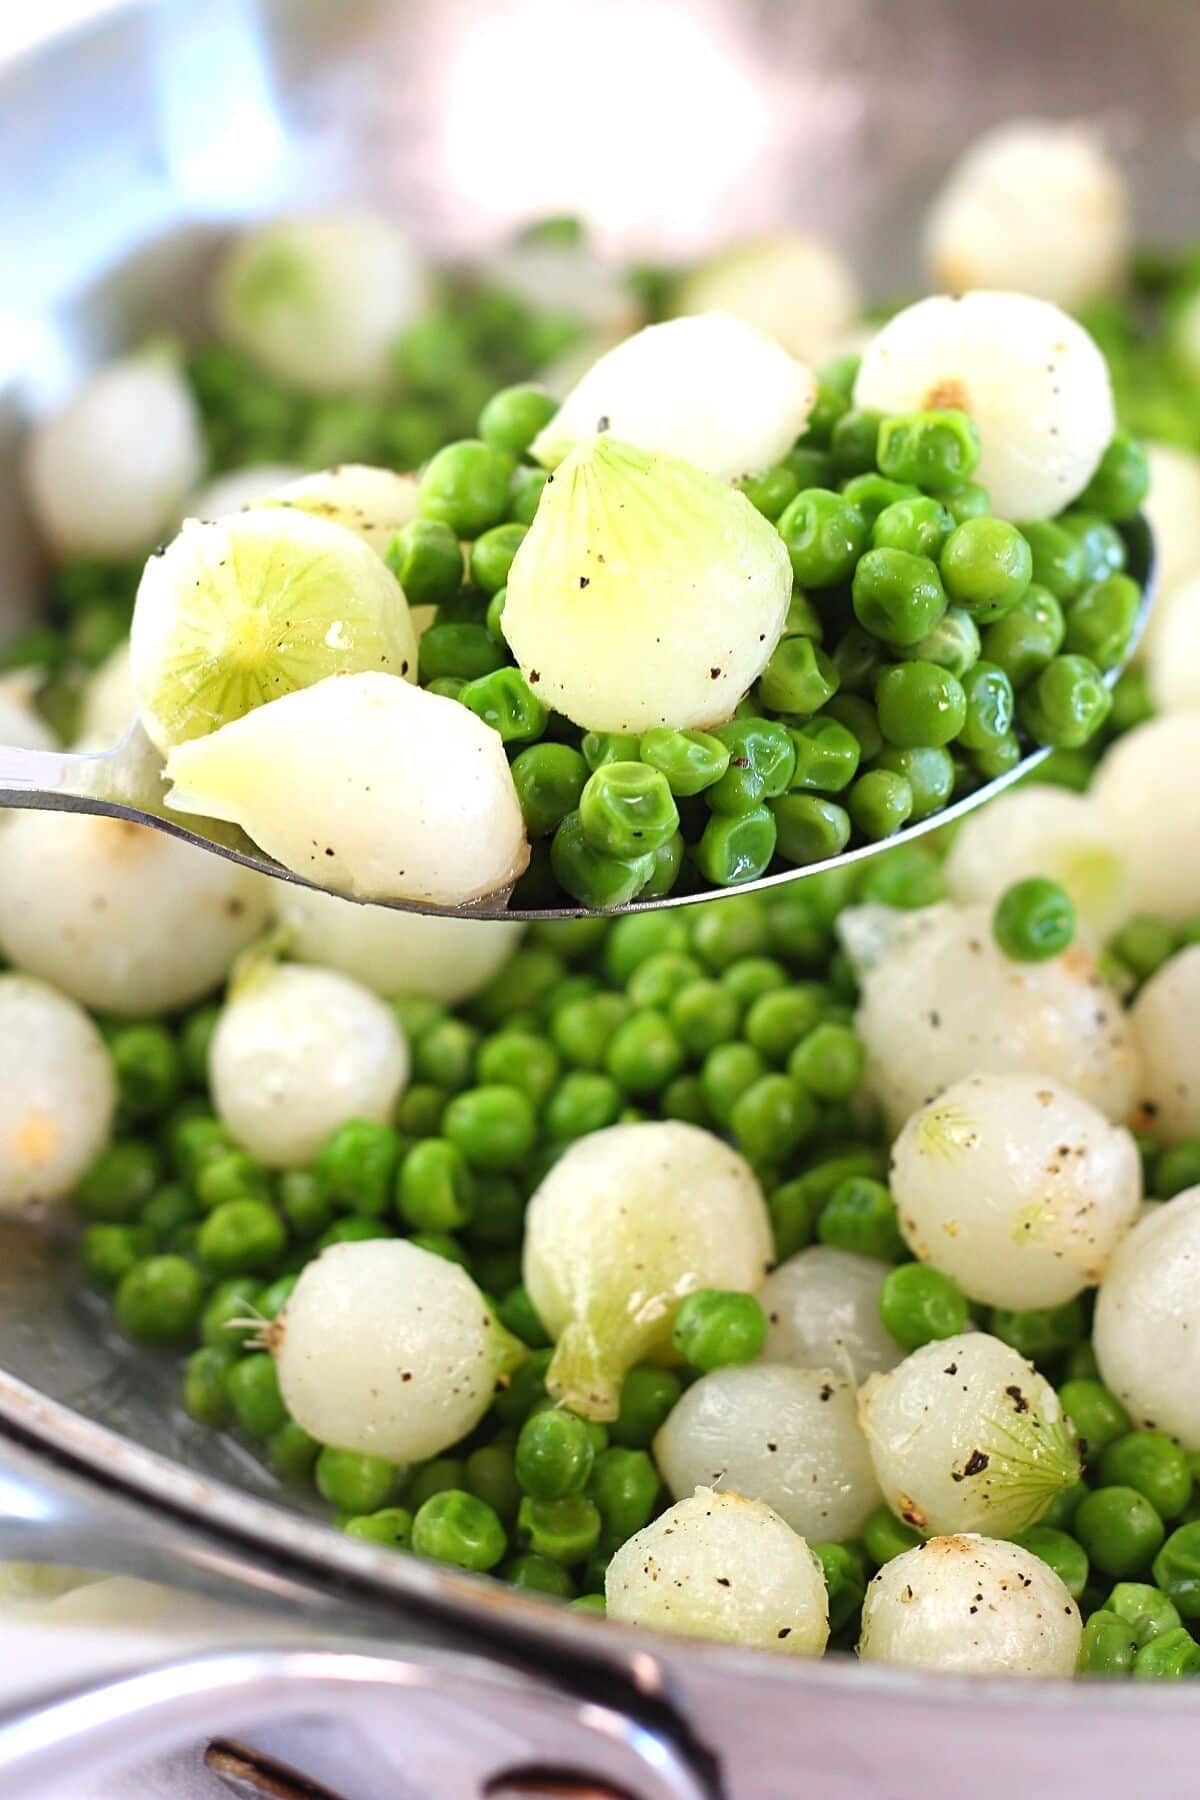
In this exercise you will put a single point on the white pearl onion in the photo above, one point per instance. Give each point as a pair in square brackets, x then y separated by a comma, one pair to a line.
[719, 1566]
[789, 1437]
[940, 1000]
[1145, 787]
[388, 1349]
[1166, 1020]
[1147, 1326]
[1016, 1188]
[965, 1435]
[822, 1308]
[298, 1051]
[971, 1605]
[58, 1095]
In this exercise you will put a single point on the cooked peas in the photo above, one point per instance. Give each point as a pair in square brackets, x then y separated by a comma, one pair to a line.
[860, 1215]
[456, 1527]
[465, 486]
[158, 1300]
[1153, 1465]
[357, 1166]
[1120, 1531]
[554, 1455]
[825, 535]
[933, 449]
[987, 566]
[1033, 920]
[919, 1304]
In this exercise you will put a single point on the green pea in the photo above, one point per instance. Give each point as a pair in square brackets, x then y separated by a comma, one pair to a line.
[352, 1230]
[581, 1103]
[724, 930]
[827, 756]
[1027, 638]
[274, 1297]
[1109, 1645]
[538, 1575]
[1178, 1168]
[778, 1020]
[771, 1118]
[391, 1525]
[117, 1184]
[886, 1536]
[771, 491]
[426, 558]
[512, 418]
[873, 493]
[1060, 1513]
[204, 1395]
[1154, 1465]
[1101, 622]
[565, 1531]
[840, 373]
[1144, 945]
[799, 678]
[356, 1166]
[898, 598]
[490, 1475]
[1120, 1531]
[582, 1028]
[1121, 481]
[919, 1305]
[859, 659]
[689, 761]
[419, 1111]
[644, 1053]
[953, 644]
[549, 779]
[830, 403]
[1060, 1552]
[987, 565]
[828, 1062]
[440, 1475]
[809, 828]
[1177, 1569]
[853, 441]
[762, 762]
[627, 809]
[919, 526]
[750, 977]
[683, 1099]
[934, 449]
[465, 486]
[1057, 557]
[252, 1389]
[812, 468]
[518, 1059]
[458, 1528]
[167, 1211]
[624, 1487]
[655, 982]
[292, 1453]
[494, 1127]
[435, 1191]
[108, 1252]
[845, 1581]
[990, 707]
[929, 771]
[554, 1455]
[231, 1175]
[493, 624]
[231, 1315]
[998, 758]
[505, 701]
[158, 1300]
[194, 1039]
[908, 876]
[527, 485]
[241, 1236]
[860, 1215]
[1040, 1333]
[738, 848]
[1102, 544]
[970, 501]
[825, 535]
[1168, 1657]
[600, 747]
[714, 1329]
[460, 651]
[728, 1070]
[1081, 1365]
[647, 1395]
[148, 1067]
[589, 875]
[880, 802]
[444, 1054]
[1144, 1607]
[920, 703]
[353, 1482]
[1033, 920]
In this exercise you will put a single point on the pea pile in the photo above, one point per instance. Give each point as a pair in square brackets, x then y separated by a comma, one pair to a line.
[926, 645]
[733, 1015]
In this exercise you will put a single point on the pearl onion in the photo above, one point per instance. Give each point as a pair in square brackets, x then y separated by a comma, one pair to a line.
[1147, 1326]
[789, 1437]
[1145, 787]
[296, 1052]
[1166, 1020]
[388, 1349]
[971, 1605]
[1032, 379]
[822, 1308]
[1016, 1188]
[792, 288]
[58, 1095]
[718, 1566]
[965, 1435]
[940, 1000]
[120, 917]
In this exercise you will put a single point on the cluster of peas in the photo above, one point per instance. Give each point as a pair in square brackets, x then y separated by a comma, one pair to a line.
[926, 644]
[734, 1015]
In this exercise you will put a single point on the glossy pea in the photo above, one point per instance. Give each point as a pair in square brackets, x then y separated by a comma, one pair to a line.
[935, 449]
[799, 677]
[824, 534]
[897, 597]
[549, 779]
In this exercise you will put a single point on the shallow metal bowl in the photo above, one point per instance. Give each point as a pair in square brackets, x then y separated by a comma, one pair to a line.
[127, 151]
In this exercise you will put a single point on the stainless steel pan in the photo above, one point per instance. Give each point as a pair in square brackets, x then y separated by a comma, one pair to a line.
[124, 152]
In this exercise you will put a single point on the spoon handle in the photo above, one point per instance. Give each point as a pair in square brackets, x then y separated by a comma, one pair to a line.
[29, 775]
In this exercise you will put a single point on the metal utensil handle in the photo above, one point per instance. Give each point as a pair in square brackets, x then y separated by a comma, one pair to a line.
[38, 774]
[418, 1724]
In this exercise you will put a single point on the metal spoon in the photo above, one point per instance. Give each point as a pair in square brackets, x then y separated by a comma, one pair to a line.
[126, 783]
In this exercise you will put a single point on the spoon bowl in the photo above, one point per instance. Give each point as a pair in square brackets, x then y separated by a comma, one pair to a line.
[127, 783]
